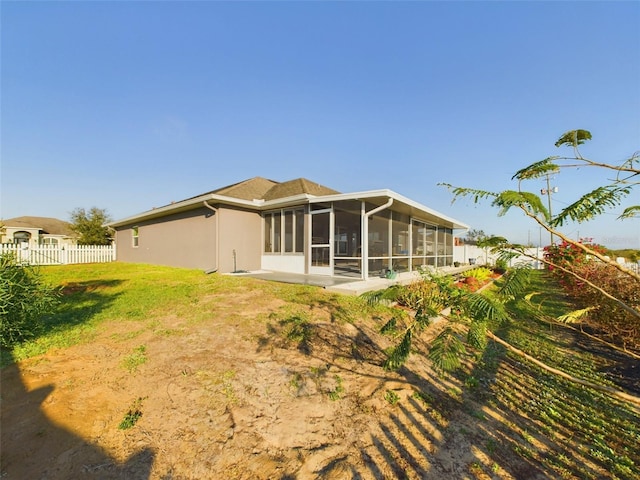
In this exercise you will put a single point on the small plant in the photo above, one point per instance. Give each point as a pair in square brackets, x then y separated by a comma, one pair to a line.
[479, 415]
[227, 386]
[296, 328]
[501, 266]
[133, 414]
[527, 437]
[391, 397]
[471, 382]
[423, 397]
[137, 358]
[296, 381]
[491, 446]
[482, 274]
[336, 393]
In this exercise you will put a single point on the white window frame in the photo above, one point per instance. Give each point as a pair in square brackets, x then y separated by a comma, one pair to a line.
[135, 237]
[282, 213]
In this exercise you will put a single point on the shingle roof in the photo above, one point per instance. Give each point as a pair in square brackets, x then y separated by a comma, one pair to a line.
[259, 188]
[297, 186]
[251, 189]
[49, 225]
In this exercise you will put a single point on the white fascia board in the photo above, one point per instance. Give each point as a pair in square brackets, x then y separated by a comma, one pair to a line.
[294, 200]
[389, 194]
[351, 196]
[456, 223]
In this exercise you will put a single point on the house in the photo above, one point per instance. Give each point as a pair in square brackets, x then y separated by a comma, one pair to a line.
[36, 231]
[296, 226]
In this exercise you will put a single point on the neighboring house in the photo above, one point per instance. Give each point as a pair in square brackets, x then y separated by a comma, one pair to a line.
[297, 226]
[36, 231]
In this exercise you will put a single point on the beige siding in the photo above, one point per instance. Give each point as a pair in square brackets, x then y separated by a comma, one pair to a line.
[240, 231]
[186, 239]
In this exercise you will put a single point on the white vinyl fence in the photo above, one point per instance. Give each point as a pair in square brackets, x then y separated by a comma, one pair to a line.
[60, 255]
[471, 254]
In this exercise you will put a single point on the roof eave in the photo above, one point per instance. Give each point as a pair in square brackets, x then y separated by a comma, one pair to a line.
[299, 199]
[260, 205]
[185, 205]
[456, 224]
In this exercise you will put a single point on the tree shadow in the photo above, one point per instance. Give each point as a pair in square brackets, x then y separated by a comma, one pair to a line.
[494, 424]
[34, 446]
[79, 303]
[497, 417]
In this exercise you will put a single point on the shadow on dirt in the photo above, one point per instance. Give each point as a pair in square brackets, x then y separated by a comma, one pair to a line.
[497, 416]
[28, 435]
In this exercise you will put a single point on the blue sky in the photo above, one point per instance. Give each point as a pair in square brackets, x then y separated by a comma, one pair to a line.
[131, 105]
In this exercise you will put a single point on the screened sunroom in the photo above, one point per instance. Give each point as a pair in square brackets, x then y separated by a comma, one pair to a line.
[360, 235]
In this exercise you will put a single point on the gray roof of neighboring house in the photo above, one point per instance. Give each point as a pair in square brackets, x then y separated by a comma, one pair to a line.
[48, 225]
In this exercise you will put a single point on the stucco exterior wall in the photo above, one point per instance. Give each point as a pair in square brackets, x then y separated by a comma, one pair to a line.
[36, 237]
[240, 230]
[186, 239]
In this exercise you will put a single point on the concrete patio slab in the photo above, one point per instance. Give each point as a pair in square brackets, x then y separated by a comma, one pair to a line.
[346, 285]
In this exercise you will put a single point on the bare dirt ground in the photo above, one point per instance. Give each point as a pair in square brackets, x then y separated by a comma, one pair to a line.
[230, 397]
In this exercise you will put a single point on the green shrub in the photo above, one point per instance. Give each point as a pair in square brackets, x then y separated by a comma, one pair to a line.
[482, 274]
[501, 266]
[24, 298]
[608, 317]
[420, 293]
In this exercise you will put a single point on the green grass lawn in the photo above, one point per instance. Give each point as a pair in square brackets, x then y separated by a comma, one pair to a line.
[121, 292]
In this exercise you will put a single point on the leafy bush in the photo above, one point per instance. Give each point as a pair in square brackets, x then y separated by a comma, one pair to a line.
[607, 316]
[24, 298]
[422, 293]
[482, 274]
[569, 256]
[501, 266]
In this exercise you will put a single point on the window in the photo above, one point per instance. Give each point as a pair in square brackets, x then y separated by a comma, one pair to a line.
[268, 235]
[284, 231]
[21, 237]
[423, 238]
[348, 229]
[400, 226]
[48, 241]
[299, 221]
[288, 231]
[277, 232]
[134, 236]
[379, 233]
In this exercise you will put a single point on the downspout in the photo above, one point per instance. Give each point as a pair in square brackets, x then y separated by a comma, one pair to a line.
[365, 236]
[215, 211]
